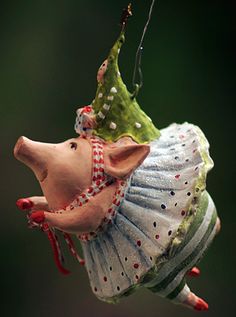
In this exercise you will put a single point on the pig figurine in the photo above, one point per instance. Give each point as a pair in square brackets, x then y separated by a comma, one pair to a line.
[133, 195]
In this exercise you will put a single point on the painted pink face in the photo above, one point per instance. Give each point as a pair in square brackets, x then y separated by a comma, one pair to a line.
[101, 71]
[64, 169]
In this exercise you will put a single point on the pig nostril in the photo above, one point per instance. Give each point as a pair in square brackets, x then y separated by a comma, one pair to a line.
[73, 145]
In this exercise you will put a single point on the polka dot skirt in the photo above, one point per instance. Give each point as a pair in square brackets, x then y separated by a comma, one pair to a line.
[157, 199]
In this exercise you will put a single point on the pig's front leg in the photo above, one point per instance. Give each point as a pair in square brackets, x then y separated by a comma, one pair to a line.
[82, 219]
[33, 203]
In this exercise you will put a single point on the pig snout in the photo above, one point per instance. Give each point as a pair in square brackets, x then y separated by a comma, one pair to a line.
[18, 145]
[21, 149]
[32, 154]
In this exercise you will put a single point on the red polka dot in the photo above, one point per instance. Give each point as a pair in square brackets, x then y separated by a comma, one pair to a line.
[101, 169]
[90, 190]
[157, 236]
[109, 210]
[177, 176]
[136, 265]
[139, 243]
[98, 183]
[95, 153]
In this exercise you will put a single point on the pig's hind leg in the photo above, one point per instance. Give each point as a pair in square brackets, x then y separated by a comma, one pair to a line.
[33, 203]
[189, 299]
[193, 301]
[181, 294]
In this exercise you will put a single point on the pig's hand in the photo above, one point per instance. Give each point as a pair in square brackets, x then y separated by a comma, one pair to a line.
[33, 203]
[81, 219]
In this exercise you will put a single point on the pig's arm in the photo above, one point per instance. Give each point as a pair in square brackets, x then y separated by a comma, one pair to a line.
[82, 219]
[33, 203]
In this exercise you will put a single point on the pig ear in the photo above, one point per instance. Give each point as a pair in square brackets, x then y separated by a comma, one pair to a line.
[121, 161]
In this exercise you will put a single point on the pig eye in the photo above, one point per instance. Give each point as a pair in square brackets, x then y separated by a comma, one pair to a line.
[73, 145]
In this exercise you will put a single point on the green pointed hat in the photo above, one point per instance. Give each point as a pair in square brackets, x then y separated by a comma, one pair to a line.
[115, 109]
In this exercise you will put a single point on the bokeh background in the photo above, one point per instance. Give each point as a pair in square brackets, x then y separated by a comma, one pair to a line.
[49, 56]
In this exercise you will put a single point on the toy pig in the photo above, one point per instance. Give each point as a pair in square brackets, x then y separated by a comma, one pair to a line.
[133, 195]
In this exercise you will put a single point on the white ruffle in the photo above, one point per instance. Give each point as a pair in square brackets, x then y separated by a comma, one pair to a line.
[156, 201]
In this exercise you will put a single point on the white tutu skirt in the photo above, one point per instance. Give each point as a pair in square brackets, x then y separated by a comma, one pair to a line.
[161, 222]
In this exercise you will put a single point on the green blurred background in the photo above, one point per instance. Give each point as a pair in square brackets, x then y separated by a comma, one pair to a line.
[50, 53]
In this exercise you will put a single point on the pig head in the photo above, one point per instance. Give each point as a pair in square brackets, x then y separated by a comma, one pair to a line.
[64, 171]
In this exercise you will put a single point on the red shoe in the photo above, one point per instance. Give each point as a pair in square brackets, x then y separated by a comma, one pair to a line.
[201, 305]
[24, 203]
[194, 272]
[37, 216]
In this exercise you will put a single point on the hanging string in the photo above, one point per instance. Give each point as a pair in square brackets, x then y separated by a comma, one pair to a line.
[138, 58]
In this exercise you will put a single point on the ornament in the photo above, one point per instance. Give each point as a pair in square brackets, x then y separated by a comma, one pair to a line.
[134, 196]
